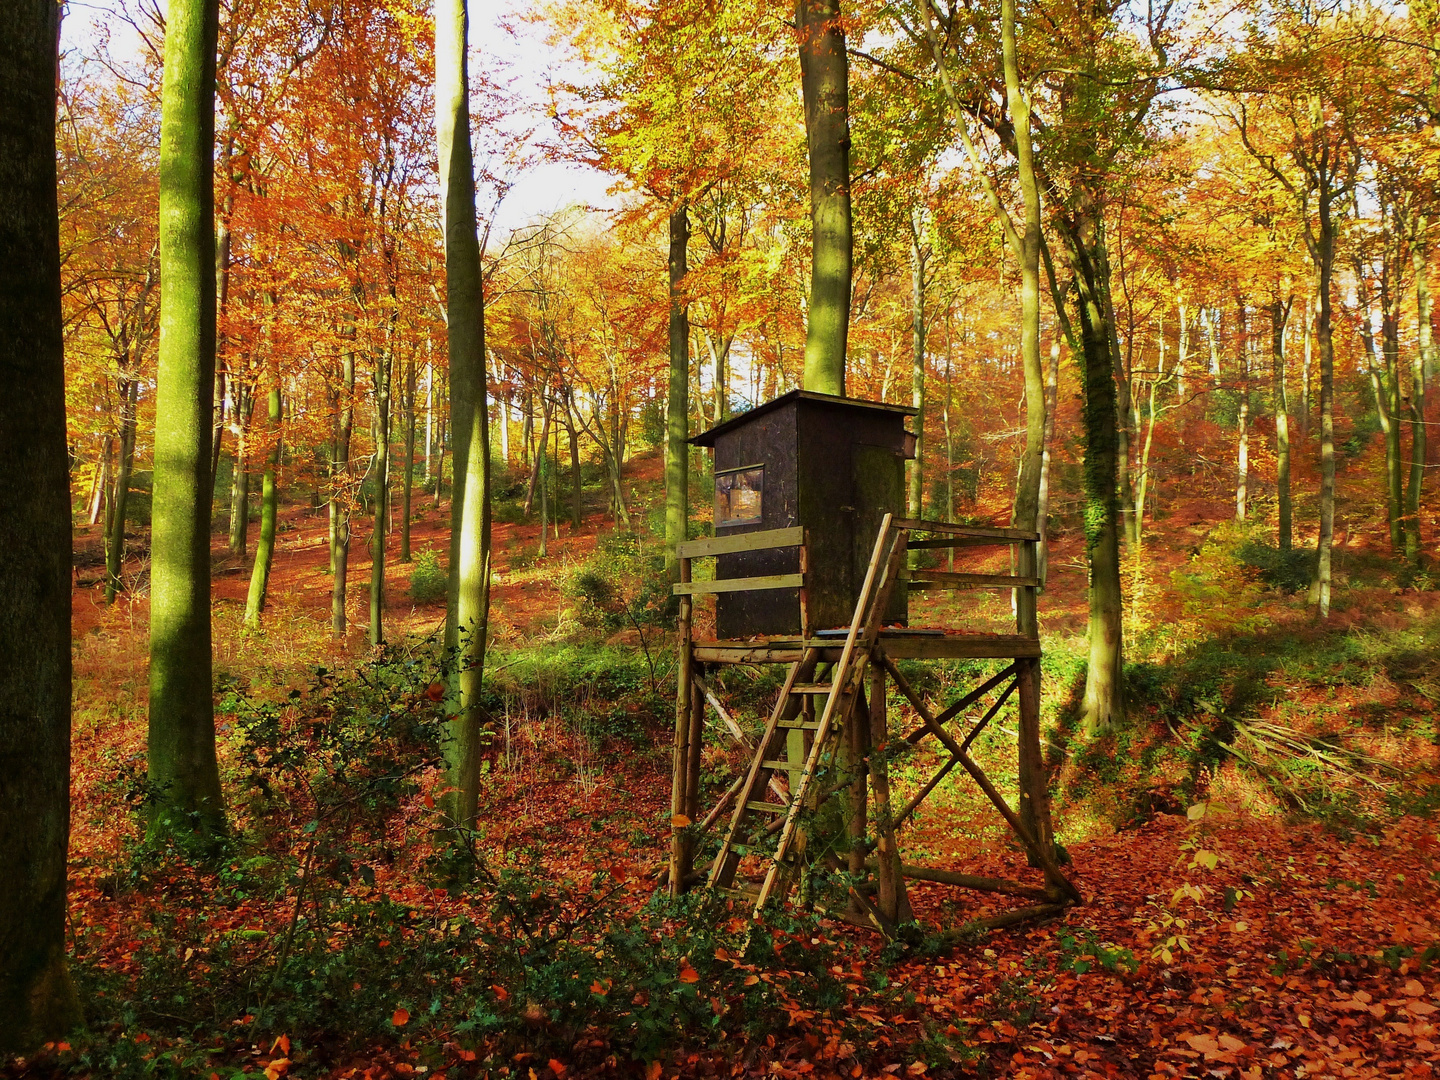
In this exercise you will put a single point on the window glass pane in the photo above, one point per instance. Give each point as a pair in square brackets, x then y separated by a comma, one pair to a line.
[738, 494]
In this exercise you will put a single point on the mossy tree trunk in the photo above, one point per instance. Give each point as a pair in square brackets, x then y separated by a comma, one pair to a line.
[1082, 233]
[1424, 353]
[677, 402]
[469, 613]
[825, 88]
[182, 765]
[1242, 417]
[241, 403]
[37, 998]
[915, 497]
[408, 480]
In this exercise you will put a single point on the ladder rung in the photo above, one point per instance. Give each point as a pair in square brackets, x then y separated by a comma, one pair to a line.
[766, 807]
[739, 892]
[786, 765]
[812, 688]
[805, 725]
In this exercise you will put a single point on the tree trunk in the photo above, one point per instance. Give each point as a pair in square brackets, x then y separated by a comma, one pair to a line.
[1420, 262]
[381, 473]
[1124, 406]
[240, 476]
[120, 495]
[408, 481]
[1390, 354]
[1325, 339]
[99, 494]
[1242, 418]
[340, 495]
[469, 610]
[576, 485]
[269, 505]
[824, 84]
[37, 998]
[1279, 315]
[1042, 511]
[182, 765]
[1103, 707]
[916, 498]
[677, 404]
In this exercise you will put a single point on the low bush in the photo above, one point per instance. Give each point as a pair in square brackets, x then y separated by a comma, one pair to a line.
[429, 581]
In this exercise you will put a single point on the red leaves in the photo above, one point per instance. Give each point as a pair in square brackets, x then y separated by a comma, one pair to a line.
[400, 1017]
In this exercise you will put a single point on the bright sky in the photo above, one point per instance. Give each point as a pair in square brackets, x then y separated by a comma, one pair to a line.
[527, 63]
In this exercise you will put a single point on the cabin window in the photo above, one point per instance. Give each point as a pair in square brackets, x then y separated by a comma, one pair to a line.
[738, 493]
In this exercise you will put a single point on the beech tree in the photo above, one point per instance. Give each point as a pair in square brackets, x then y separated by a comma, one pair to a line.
[37, 998]
[182, 764]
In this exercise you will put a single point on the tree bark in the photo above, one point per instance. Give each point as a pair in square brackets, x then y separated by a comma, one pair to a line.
[381, 472]
[677, 404]
[120, 494]
[916, 498]
[242, 407]
[182, 764]
[37, 998]
[470, 507]
[269, 505]
[1425, 349]
[340, 495]
[824, 84]
[1279, 316]
[408, 482]
[1242, 418]
[1083, 235]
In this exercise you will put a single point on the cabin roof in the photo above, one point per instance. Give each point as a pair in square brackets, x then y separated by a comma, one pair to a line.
[707, 438]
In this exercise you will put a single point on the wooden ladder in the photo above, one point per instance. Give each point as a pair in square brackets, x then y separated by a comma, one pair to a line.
[794, 710]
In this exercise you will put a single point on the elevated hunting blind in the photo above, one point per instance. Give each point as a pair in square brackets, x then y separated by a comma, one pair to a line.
[832, 466]
[811, 570]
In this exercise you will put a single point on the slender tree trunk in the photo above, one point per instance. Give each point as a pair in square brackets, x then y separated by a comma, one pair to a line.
[542, 453]
[548, 409]
[677, 404]
[1125, 431]
[468, 617]
[37, 998]
[1325, 339]
[1279, 316]
[1420, 263]
[269, 506]
[825, 88]
[1390, 353]
[1042, 511]
[182, 762]
[120, 496]
[381, 472]
[1242, 421]
[340, 495]
[240, 474]
[1306, 402]
[408, 481]
[915, 501]
[99, 494]
[429, 416]
[573, 434]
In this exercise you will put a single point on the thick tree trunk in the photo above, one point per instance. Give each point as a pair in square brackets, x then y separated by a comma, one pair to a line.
[269, 506]
[1124, 406]
[825, 88]
[182, 764]
[1279, 315]
[677, 403]
[1420, 262]
[469, 611]
[381, 472]
[120, 494]
[1103, 707]
[340, 495]
[37, 998]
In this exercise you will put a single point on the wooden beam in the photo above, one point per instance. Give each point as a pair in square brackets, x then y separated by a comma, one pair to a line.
[961, 542]
[942, 579]
[950, 528]
[740, 584]
[728, 545]
[967, 881]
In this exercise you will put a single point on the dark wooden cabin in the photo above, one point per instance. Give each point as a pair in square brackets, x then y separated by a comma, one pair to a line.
[833, 465]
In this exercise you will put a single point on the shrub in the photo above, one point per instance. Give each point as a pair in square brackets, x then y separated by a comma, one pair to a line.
[1288, 571]
[428, 579]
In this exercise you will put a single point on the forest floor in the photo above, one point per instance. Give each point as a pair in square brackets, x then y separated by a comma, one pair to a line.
[1260, 869]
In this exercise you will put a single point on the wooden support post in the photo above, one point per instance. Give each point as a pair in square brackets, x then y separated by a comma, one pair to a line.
[680, 854]
[893, 904]
[696, 744]
[1030, 767]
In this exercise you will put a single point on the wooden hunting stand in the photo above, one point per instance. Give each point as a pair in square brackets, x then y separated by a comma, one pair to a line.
[816, 797]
